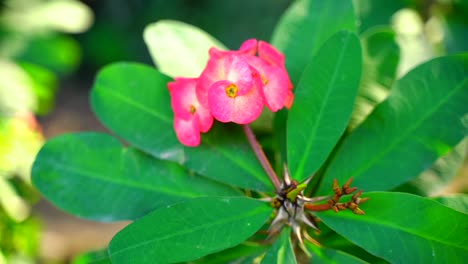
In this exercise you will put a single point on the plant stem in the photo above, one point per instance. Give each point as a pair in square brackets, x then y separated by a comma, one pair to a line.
[261, 157]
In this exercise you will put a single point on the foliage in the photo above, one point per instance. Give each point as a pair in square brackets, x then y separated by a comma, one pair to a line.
[34, 53]
[199, 203]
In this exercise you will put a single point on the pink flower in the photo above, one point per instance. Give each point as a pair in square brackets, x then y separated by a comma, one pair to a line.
[190, 117]
[231, 89]
[276, 88]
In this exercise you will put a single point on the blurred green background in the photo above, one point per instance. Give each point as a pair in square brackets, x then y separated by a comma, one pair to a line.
[51, 50]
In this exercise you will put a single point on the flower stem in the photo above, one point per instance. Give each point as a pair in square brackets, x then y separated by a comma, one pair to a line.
[261, 157]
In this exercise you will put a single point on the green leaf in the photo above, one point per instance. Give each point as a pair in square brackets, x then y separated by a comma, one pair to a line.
[132, 100]
[188, 230]
[93, 257]
[422, 119]
[321, 255]
[282, 250]
[439, 175]
[92, 176]
[323, 103]
[404, 228]
[179, 49]
[380, 60]
[305, 26]
[457, 202]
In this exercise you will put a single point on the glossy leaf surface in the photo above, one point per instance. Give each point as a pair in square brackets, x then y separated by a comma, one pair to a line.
[188, 230]
[323, 103]
[404, 228]
[179, 49]
[132, 100]
[305, 26]
[92, 176]
[424, 117]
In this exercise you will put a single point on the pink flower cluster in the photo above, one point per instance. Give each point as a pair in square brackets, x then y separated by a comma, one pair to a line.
[233, 87]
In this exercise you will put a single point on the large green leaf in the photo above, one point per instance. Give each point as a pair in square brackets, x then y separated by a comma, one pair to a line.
[422, 119]
[132, 100]
[282, 251]
[188, 230]
[380, 60]
[323, 103]
[92, 176]
[305, 26]
[404, 228]
[321, 255]
[179, 49]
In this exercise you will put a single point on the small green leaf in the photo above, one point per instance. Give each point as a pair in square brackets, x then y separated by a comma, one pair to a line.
[404, 228]
[188, 230]
[305, 26]
[321, 255]
[179, 49]
[90, 175]
[424, 117]
[323, 103]
[282, 250]
[132, 100]
[381, 55]
[457, 202]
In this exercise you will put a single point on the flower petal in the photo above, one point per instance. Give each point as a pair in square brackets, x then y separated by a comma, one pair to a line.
[241, 109]
[187, 131]
[183, 96]
[249, 47]
[270, 54]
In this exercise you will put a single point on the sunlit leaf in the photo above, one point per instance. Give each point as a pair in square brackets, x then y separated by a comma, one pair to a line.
[179, 49]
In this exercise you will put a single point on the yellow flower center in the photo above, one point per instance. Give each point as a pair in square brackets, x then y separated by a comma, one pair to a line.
[264, 80]
[231, 90]
[192, 110]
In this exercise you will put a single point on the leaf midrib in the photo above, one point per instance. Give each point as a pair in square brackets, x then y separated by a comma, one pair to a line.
[412, 128]
[93, 175]
[135, 104]
[234, 218]
[313, 132]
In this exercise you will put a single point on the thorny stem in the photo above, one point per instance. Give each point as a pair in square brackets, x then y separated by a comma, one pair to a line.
[261, 157]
